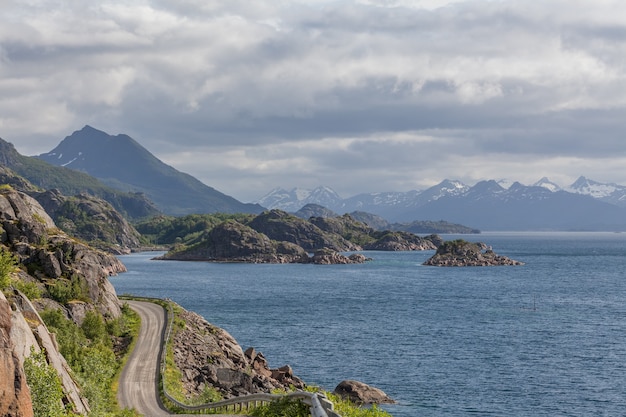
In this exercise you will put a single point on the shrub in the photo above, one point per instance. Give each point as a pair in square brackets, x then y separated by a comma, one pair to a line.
[283, 407]
[45, 386]
[8, 261]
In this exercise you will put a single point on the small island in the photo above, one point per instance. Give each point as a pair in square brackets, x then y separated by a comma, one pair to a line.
[462, 253]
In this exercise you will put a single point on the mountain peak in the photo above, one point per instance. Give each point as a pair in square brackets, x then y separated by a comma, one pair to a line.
[547, 184]
[121, 162]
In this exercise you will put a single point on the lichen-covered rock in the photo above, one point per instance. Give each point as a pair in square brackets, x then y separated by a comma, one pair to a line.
[360, 393]
[462, 253]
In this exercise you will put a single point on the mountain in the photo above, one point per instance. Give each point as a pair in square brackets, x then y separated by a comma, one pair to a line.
[488, 206]
[41, 175]
[296, 198]
[496, 205]
[122, 163]
[547, 184]
[389, 205]
[610, 193]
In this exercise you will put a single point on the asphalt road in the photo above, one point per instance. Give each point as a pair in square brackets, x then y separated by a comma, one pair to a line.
[138, 382]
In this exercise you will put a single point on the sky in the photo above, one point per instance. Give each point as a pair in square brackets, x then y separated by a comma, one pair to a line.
[357, 95]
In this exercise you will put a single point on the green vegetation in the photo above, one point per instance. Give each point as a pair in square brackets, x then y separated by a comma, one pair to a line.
[283, 407]
[64, 290]
[91, 354]
[29, 289]
[71, 182]
[167, 230]
[286, 407]
[45, 386]
[348, 409]
[8, 263]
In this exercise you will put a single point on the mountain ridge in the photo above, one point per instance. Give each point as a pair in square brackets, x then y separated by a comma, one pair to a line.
[123, 163]
[495, 205]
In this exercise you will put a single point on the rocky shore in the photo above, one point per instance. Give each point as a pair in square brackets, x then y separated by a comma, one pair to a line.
[463, 253]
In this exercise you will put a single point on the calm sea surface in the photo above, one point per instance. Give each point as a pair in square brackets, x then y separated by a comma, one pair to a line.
[544, 339]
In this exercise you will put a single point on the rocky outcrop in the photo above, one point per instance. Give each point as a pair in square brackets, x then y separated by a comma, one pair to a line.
[361, 394]
[209, 357]
[232, 241]
[15, 398]
[401, 241]
[330, 257]
[463, 253]
[91, 219]
[282, 226]
[52, 258]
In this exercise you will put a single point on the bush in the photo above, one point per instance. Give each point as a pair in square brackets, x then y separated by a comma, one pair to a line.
[45, 386]
[29, 289]
[8, 261]
[284, 407]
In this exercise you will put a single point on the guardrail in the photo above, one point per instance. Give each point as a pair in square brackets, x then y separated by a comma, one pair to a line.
[318, 404]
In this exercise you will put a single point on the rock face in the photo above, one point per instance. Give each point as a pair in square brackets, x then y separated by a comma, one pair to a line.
[208, 356]
[463, 253]
[91, 219]
[54, 259]
[15, 398]
[360, 393]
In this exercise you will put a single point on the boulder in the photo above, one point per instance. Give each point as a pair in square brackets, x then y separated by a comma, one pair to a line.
[327, 256]
[360, 393]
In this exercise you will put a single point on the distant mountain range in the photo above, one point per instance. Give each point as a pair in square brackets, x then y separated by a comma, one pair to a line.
[135, 182]
[122, 163]
[487, 205]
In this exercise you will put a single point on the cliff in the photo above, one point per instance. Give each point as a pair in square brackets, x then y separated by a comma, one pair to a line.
[63, 274]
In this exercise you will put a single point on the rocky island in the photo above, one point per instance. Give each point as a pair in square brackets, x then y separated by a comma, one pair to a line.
[275, 236]
[462, 253]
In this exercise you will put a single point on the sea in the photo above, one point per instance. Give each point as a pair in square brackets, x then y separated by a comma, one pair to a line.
[544, 339]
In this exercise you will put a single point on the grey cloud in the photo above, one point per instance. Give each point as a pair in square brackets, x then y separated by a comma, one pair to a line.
[514, 78]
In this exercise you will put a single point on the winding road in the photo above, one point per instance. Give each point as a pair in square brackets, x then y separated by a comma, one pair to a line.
[138, 383]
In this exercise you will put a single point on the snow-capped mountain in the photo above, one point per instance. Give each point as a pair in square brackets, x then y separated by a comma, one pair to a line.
[488, 205]
[608, 192]
[296, 198]
[547, 184]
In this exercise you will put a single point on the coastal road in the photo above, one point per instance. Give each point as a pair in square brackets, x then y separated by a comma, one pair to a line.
[138, 386]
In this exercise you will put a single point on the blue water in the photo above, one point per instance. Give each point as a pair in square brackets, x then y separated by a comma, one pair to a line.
[544, 339]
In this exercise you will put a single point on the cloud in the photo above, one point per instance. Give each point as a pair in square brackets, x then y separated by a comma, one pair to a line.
[342, 93]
